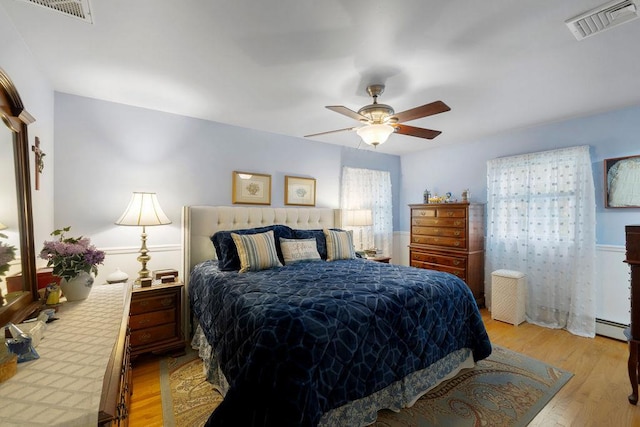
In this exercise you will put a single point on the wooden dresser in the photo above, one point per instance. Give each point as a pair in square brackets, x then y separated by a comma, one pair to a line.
[156, 319]
[633, 259]
[450, 237]
[83, 375]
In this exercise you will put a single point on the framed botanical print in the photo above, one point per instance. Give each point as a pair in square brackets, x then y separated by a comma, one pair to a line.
[251, 188]
[622, 182]
[299, 191]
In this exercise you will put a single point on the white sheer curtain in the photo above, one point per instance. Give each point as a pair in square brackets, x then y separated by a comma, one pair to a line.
[541, 221]
[370, 189]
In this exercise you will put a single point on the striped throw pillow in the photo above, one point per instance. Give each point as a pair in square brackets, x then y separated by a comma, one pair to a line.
[256, 251]
[298, 250]
[339, 245]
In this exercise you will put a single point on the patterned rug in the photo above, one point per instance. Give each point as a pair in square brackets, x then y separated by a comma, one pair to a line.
[506, 389]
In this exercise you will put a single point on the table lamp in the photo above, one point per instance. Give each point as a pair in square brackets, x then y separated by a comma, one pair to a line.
[143, 210]
[359, 218]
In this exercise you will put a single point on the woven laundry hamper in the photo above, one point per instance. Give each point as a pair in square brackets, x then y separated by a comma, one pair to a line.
[508, 291]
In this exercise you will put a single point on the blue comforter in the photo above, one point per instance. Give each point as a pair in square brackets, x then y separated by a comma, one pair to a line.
[299, 340]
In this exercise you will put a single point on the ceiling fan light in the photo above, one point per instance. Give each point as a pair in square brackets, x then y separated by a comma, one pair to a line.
[375, 134]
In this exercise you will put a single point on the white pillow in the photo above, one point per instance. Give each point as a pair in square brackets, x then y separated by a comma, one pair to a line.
[299, 250]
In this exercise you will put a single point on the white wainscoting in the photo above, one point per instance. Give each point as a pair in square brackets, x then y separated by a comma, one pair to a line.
[401, 241]
[612, 291]
[612, 284]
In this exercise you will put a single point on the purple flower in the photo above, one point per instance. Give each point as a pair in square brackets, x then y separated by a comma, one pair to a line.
[70, 256]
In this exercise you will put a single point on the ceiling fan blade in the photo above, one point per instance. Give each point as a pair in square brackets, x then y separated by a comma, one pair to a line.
[347, 112]
[419, 132]
[435, 107]
[330, 131]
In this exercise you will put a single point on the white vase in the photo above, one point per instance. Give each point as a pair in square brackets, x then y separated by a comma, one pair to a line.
[78, 288]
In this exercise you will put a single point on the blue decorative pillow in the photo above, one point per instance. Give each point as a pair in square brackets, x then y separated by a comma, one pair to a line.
[227, 253]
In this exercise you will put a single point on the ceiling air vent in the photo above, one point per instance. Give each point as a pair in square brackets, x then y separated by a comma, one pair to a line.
[74, 8]
[602, 18]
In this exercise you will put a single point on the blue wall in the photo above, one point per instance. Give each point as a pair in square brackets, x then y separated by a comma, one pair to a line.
[105, 151]
[454, 168]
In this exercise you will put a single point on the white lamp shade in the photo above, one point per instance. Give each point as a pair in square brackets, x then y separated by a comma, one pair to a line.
[375, 134]
[143, 209]
[358, 217]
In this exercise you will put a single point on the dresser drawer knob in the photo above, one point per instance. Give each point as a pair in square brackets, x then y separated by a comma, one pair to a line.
[145, 337]
[456, 244]
[449, 213]
[457, 223]
[167, 302]
[456, 233]
[456, 262]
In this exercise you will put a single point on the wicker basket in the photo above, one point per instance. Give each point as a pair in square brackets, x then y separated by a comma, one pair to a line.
[508, 291]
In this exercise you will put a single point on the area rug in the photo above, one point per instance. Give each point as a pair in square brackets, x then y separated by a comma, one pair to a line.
[506, 389]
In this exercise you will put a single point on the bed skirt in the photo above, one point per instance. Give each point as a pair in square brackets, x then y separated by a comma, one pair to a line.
[362, 412]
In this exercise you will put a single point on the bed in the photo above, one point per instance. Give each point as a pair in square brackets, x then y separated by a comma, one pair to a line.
[318, 342]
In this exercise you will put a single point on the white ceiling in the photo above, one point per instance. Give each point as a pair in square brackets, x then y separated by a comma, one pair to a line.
[273, 65]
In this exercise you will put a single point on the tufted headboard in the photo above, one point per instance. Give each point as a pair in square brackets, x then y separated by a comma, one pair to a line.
[199, 223]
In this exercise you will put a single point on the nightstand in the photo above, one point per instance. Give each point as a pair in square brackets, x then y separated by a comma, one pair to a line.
[156, 319]
[384, 259]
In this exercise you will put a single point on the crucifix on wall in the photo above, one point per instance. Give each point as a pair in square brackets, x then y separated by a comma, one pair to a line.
[39, 161]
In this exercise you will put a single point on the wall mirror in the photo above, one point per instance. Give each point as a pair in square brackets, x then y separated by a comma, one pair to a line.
[16, 211]
[622, 182]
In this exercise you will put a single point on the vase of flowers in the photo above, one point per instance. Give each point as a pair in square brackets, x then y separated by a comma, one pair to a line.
[7, 254]
[73, 259]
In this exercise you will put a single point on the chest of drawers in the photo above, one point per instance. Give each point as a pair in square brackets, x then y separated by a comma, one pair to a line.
[155, 319]
[449, 237]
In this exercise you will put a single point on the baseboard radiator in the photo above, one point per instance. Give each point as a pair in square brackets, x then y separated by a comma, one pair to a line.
[610, 329]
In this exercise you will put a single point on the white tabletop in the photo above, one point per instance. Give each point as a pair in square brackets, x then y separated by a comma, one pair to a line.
[64, 386]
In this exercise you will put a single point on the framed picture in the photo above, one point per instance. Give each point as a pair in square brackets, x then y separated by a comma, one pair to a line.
[622, 182]
[251, 188]
[299, 191]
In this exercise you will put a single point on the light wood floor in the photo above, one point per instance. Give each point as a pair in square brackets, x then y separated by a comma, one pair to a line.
[595, 396]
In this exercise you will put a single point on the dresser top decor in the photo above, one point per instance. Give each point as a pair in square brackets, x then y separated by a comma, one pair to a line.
[64, 387]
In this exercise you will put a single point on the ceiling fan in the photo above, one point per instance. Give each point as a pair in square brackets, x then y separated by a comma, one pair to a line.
[380, 120]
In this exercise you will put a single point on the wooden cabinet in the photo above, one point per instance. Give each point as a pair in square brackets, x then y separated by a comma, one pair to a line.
[632, 233]
[450, 237]
[156, 319]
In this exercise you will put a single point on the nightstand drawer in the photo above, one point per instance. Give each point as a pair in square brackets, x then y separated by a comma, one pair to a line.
[154, 334]
[155, 318]
[147, 305]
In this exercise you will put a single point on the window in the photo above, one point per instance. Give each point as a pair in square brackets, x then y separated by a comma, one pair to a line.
[541, 221]
[370, 189]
